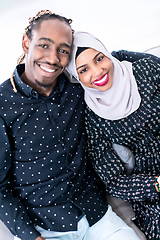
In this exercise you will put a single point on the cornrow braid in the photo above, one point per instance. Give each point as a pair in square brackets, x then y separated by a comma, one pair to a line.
[19, 61]
[34, 23]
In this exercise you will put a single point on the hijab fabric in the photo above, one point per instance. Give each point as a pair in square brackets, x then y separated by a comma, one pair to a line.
[122, 98]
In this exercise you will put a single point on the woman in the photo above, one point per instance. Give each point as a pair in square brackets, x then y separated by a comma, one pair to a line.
[123, 108]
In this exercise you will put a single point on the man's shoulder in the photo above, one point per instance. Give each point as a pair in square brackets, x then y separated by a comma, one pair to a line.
[6, 85]
[71, 83]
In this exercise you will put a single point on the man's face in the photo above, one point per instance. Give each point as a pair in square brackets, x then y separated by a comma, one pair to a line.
[47, 53]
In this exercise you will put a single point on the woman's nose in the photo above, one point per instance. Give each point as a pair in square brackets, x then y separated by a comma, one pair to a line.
[96, 71]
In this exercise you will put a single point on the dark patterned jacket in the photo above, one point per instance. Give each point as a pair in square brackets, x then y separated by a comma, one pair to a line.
[140, 133]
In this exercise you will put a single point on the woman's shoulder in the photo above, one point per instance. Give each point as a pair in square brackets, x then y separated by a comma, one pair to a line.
[148, 71]
[146, 63]
[91, 118]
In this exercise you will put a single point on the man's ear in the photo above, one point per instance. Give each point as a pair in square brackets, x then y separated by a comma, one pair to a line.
[25, 43]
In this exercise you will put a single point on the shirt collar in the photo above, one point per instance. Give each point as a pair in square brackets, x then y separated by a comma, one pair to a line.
[29, 91]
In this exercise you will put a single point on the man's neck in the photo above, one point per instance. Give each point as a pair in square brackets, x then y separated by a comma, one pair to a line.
[39, 89]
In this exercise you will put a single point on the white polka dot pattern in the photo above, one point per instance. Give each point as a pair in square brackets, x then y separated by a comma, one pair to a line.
[45, 178]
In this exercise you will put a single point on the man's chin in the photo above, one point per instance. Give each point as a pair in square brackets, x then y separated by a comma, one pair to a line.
[44, 85]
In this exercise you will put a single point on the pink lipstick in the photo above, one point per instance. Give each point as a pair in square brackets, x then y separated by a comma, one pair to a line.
[103, 80]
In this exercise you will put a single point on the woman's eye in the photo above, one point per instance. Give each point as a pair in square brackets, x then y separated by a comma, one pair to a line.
[83, 70]
[100, 58]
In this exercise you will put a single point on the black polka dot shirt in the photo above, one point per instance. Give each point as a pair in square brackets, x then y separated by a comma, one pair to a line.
[45, 178]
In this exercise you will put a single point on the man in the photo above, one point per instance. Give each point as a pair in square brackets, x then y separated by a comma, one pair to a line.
[48, 189]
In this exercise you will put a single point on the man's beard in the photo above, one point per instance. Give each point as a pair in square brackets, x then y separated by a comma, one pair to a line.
[42, 84]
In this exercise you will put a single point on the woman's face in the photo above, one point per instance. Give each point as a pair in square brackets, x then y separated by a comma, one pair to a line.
[94, 69]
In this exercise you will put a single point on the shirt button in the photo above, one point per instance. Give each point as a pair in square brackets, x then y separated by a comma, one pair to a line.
[33, 93]
[56, 120]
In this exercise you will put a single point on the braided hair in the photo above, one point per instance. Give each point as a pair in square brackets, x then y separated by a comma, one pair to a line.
[34, 23]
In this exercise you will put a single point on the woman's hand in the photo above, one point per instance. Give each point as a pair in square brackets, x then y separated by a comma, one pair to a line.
[157, 184]
[40, 238]
[156, 188]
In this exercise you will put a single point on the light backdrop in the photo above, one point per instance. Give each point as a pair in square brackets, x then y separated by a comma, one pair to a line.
[121, 24]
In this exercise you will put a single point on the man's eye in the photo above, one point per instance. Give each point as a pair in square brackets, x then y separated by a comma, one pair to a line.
[64, 51]
[43, 46]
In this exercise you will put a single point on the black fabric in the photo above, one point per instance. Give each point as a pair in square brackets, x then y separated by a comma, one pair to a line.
[122, 55]
[45, 176]
[140, 133]
[80, 49]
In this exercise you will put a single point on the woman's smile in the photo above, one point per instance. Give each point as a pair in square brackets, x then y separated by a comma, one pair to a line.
[103, 80]
[94, 69]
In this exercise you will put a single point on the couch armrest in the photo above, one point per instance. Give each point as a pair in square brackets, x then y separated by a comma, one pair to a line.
[154, 50]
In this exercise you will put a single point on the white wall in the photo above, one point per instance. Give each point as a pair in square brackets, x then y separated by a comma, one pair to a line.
[121, 24]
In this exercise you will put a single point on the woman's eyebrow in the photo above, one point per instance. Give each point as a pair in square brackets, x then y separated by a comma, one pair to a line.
[96, 55]
[93, 59]
[81, 66]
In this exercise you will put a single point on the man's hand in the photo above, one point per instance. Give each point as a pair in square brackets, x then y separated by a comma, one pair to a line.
[40, 238]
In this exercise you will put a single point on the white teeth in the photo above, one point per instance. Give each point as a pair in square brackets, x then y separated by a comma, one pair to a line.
[102, 80]
[47, 70]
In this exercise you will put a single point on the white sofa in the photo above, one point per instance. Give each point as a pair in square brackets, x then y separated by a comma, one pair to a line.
[123, 209]
[155, 51]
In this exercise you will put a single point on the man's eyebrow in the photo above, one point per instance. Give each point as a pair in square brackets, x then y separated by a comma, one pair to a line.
[46, 39]
[65, 45]
[51, 41]
[93, 59]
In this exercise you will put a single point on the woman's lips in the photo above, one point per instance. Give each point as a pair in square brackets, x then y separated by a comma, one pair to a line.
[102, 80]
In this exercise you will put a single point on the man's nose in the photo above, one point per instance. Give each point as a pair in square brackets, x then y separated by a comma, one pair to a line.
[53, 56]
